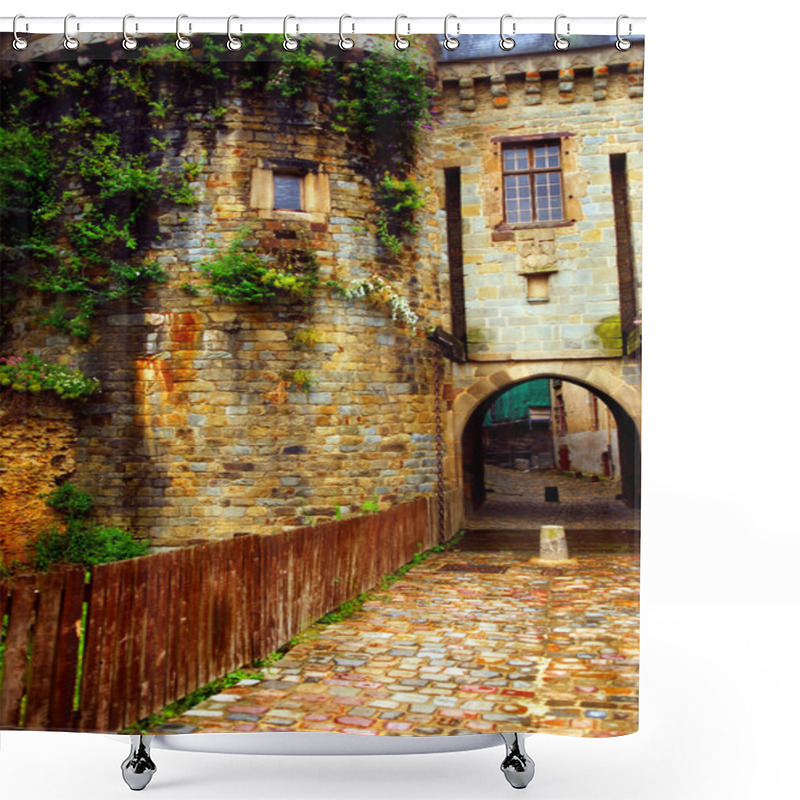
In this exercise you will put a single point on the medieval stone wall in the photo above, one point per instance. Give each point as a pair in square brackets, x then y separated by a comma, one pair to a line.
[219, 418]
[540, 291]
[38, 451]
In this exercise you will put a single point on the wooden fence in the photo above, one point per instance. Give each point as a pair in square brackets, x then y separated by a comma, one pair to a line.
[100, 652]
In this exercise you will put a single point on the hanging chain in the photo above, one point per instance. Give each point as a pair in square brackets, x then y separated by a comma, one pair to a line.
[437, 394]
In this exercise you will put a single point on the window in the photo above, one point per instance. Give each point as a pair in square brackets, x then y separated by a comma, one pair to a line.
[292, 189]
[288, 191]
[532, 188]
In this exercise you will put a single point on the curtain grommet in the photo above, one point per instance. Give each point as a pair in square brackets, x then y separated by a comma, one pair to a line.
[19, 43]
[70, 42]
[450, 42]
[560, 42]
[181, 42]
[623, 44]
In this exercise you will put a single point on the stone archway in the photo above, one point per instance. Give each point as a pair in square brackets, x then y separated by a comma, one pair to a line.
[602, 379]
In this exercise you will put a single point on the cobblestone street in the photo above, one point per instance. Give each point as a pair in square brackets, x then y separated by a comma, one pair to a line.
[480, 638]
[515, 500]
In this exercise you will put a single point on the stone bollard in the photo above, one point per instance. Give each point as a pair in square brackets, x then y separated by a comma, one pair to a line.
[553, 543]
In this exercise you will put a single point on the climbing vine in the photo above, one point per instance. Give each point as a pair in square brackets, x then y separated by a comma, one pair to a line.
[245, 272]
[378, 291]
[79, 199]
[386, 100]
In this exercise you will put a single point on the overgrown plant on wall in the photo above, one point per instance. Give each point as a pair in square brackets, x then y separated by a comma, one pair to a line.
[30, 373]
[77, 200]
[378, 291]
[247, 272]
[79, 540]
[385, 104]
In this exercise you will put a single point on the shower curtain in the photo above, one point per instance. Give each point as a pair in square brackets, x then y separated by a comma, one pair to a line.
[320, 384]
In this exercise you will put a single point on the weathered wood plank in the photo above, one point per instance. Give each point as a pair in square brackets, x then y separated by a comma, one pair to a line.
[138, 678]
[49, 588]
[180, 641]
[162, 605]
[119, 649]
[62, 715]
[191, 632]
[20, 624]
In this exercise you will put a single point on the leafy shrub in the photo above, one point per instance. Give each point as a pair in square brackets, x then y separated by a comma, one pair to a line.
[386, 100]
[70, 500]
[81, 541]
[244, 274]
[84, 543]
[29, 373]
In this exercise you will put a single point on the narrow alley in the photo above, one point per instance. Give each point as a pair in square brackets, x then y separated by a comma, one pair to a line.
[483, 637]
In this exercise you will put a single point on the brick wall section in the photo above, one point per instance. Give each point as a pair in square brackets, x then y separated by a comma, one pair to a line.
[37, 442]
[595, 96]
[198, 434]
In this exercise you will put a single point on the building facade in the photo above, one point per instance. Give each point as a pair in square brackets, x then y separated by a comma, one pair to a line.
[220, 417]
[540, 154]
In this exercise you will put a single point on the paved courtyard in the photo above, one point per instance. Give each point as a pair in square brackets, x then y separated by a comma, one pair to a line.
[515, 500]
[480, 638]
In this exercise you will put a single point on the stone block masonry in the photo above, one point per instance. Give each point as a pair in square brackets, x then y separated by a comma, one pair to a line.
[539, 290]
[218, 418]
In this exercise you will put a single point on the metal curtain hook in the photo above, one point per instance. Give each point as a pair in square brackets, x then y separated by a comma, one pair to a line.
[19, 43]
[288, 42]
[623, 44]
[128, 42]
[506, 42]
[561, 43]
[181, 42]
[345, 43]
[400, 42]
[233, 42]
[70, 42]
[450, 42]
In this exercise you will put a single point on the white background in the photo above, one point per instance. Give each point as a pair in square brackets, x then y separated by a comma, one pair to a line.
[719, 682]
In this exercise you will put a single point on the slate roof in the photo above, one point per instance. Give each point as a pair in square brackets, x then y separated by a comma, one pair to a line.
[487, 45]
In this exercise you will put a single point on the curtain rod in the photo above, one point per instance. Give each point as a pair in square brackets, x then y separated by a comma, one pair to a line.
[298, 25]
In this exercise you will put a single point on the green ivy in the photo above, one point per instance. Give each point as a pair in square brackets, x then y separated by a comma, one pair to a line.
[245, 273]
[386, 100]
[78, 197]
[386, 103]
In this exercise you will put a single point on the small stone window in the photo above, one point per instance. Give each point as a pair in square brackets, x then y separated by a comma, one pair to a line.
[288, 191]
[297, 190]
[532, 182]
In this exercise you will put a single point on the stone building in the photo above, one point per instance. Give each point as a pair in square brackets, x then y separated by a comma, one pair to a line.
[584, 431]
[540, 153]
[220, 417]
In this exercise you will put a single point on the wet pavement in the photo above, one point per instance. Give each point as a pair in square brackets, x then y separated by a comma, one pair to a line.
[516, 500]
[480, 638]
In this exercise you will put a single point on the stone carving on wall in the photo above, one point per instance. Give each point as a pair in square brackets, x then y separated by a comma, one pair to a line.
[536, 251]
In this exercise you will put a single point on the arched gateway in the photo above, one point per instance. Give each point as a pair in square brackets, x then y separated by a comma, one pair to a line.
[490, 381]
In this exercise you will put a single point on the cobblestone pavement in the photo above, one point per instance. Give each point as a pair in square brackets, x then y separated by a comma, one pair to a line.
[477, 639]
[515, 500]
